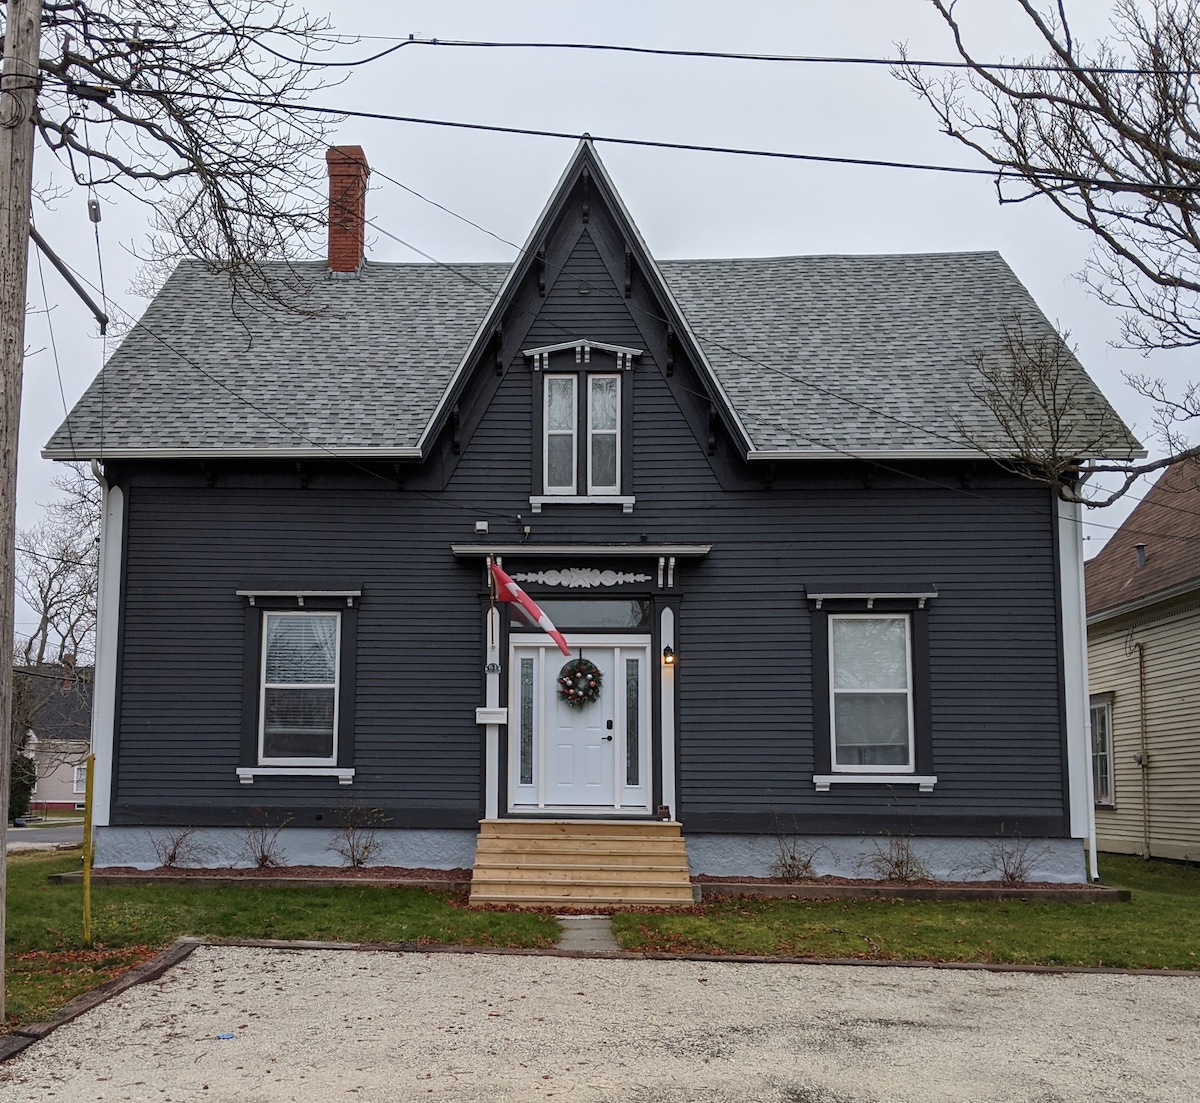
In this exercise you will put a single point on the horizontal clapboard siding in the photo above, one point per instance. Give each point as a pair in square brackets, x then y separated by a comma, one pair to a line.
[1170, 637]
[744, 632]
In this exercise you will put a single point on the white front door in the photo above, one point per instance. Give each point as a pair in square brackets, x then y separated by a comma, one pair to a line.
[592, 755]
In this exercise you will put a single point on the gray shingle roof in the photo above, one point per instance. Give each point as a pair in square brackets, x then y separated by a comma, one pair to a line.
[844, 354]
[863, 353]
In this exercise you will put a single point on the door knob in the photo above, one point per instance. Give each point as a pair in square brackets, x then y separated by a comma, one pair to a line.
[607, 738]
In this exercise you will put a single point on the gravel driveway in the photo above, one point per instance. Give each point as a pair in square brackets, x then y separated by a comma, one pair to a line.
[319, 1025]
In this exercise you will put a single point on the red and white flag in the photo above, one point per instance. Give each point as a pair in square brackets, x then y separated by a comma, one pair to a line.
[508, 590]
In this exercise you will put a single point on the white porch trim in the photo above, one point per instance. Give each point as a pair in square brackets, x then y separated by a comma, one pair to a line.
[1075, 675]
[667, 711]
[108, 621]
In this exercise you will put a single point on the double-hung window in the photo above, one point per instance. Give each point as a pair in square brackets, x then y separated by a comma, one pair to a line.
[298, 712]
[872, 718]
[1102, 757]
[298, 683]
[582, 424]
[871, 693]
[581, 447]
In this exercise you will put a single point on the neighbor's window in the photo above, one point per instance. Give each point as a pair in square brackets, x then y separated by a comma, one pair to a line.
[1102, 762]
[80, 781]
[299, 702]
[581, 450]
[870, 693]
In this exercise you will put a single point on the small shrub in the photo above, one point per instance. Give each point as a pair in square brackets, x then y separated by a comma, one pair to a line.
[177, 848]
[895, 862]
[793, 860]
[260, 841]
[356, 839]
[1010, 858]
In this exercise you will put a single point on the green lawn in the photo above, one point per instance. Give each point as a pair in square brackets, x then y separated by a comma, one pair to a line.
[1158, 929]
[47, 964]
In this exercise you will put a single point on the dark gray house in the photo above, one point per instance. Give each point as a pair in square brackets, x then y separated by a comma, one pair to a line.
[753, 493]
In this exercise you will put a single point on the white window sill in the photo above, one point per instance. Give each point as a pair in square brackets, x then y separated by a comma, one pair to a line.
[247, 774]
[625, 501]
[925, 781]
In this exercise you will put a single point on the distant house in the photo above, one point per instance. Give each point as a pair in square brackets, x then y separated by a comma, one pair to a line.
[57, 705]
[1143, 615]
[798, 599]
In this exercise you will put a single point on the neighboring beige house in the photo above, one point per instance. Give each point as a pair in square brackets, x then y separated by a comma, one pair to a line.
[1143, 615]
[55, 702]
[61, 773]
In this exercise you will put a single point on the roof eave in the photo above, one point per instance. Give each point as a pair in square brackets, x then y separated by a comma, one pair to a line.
[332, 453]
[1168, 593]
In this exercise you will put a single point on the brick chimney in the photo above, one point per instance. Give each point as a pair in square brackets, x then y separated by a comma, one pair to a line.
[348, 174]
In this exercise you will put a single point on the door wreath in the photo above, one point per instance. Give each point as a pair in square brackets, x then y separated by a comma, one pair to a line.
[579, 682]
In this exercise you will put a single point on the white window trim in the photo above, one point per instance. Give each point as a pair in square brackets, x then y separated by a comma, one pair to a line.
[247, 774]
[625, 501]
[856, 770]
[558, 491]
[593, 488]
[1102, 701]
[925, 781]
[263, 686]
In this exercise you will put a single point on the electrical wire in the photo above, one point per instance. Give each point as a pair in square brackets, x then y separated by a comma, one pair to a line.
[733, 55]
[1071, 179]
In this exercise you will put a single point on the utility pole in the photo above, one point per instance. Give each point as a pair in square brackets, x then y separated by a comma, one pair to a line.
[18, 93]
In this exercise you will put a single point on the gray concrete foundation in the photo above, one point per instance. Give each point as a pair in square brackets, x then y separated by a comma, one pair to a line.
[140, 847]
[1061, 861]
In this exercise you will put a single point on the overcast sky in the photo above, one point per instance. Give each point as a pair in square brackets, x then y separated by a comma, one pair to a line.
[686, 204]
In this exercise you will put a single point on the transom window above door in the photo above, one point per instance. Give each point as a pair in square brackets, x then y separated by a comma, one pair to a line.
[582, 424]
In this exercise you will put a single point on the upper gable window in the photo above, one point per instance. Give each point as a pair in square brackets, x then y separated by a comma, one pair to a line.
[584, 423]
[582, 447]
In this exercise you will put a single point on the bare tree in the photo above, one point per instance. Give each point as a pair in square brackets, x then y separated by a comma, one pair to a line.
[189, 106]
[57, 572]
[1111, 137]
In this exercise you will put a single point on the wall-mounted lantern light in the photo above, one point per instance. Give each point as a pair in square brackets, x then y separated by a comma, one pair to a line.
[668, 655]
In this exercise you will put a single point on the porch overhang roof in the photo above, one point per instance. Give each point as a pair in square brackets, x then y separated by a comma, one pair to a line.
[614, 551]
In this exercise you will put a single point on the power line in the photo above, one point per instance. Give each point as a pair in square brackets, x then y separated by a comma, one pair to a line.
[689, 147]
[734, 55]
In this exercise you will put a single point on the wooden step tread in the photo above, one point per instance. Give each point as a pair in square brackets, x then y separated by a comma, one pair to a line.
[534, 851]
[616, 869]
[564, 879]
[581, 827]
[478, 882]
[611, 900]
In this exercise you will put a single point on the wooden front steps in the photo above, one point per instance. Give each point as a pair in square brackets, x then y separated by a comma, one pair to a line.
[580, 863]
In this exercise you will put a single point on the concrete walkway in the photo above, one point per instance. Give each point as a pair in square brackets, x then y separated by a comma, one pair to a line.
[587, 933]
[252, 1024]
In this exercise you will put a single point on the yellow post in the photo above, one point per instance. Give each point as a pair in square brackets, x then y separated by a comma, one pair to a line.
[87, 852]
